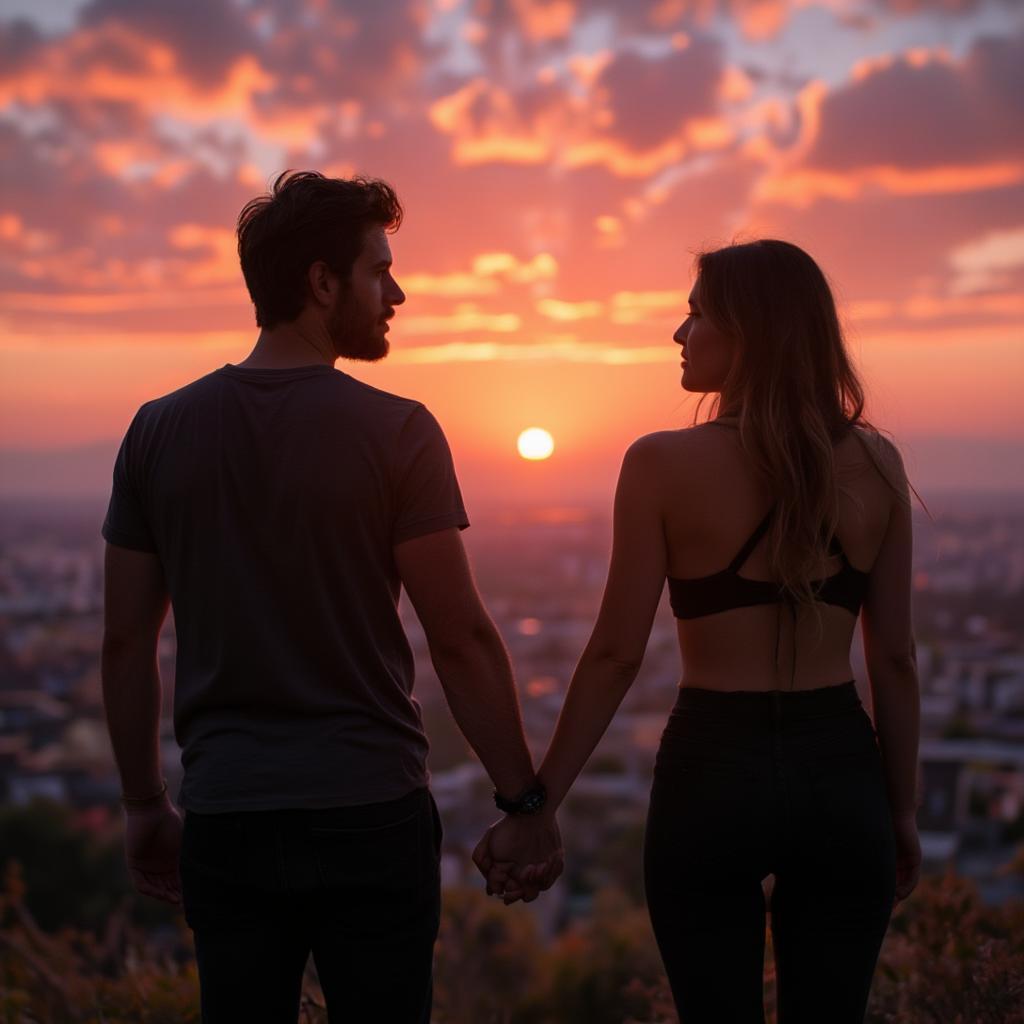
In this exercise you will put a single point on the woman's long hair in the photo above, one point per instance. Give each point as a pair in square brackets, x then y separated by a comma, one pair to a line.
[794, 389]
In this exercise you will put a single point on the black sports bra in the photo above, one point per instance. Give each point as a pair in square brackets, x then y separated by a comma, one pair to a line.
[725, 589]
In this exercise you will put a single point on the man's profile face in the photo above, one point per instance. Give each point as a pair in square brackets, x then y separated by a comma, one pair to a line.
[358, 323]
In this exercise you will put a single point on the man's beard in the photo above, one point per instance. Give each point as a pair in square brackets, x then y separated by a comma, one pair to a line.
[357, 339]
[367, 348]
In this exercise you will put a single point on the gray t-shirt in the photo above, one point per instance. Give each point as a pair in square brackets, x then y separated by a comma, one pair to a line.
[273, 499]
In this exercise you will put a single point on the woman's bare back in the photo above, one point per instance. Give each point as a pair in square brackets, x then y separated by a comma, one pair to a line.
[712, 501]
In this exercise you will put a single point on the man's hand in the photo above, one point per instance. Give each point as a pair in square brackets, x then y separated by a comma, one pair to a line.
[152, 844]
[520, 856]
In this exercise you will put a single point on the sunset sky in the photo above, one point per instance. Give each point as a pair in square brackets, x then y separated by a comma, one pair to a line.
[560, 161]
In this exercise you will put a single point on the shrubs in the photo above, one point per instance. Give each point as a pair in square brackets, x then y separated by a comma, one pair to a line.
[75, 975]
[946, 959]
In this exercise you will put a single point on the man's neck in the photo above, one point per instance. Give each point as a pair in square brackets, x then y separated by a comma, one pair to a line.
[289, 346]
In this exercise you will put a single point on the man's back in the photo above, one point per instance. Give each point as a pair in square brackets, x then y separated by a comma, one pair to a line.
[279, 506]
[274, 499]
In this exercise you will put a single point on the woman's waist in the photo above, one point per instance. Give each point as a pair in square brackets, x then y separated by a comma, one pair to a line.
[721, 654]
[700, 709]
[740, 695]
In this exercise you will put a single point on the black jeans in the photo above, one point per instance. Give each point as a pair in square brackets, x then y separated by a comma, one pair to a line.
[748, 784]
[359, 887]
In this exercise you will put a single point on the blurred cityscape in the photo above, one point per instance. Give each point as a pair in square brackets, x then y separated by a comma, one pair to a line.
[541, 572]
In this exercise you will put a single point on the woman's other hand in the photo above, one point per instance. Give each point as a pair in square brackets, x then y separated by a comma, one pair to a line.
[908, 855]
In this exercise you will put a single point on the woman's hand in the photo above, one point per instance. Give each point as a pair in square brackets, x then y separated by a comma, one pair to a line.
[520, 856]
[908, 855]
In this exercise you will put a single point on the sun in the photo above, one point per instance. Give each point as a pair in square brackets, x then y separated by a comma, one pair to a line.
[535, 444]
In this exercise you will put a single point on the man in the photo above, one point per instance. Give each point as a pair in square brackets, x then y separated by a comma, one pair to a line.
[279, 505]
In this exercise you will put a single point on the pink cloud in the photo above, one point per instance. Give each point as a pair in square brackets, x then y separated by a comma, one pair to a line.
[635, 115]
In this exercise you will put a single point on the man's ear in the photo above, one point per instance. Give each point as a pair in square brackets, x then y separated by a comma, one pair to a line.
[323, 283]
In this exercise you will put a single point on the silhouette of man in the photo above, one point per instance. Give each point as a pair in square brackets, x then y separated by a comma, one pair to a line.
[278, 506]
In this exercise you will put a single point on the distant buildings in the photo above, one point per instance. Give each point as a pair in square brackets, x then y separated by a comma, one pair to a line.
[542, 578]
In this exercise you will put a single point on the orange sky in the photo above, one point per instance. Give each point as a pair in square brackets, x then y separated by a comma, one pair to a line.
[559, 160]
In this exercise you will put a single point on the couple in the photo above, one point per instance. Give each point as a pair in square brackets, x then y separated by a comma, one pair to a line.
[279, 506]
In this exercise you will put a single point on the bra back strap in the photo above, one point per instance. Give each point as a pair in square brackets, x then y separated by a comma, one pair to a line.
[744, 553]
[835, 547]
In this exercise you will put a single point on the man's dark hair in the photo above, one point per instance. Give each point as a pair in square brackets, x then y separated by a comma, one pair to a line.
[305, 218]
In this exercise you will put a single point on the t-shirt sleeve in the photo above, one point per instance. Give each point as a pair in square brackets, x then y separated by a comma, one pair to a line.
[126, 523]
[428, 495]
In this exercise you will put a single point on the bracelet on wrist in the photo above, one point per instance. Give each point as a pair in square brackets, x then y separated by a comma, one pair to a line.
[143, 801]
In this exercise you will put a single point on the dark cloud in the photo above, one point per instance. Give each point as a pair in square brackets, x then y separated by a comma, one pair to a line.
[921, 115]
[206, 35]
[932, 6]
[351, 48]
[997, 65]
[341, 49]
[650, 99]
[20, 40]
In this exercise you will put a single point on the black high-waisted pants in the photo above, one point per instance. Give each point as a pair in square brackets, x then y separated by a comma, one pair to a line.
[787, 783]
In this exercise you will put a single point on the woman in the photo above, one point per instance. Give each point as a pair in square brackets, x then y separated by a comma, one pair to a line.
[776, 523]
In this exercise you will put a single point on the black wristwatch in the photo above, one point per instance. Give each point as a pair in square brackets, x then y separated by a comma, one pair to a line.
[530, 801]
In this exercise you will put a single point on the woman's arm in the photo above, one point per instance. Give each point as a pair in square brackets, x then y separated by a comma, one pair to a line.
[506, 855]
[892, 673]
[615, 651]
[889, 648]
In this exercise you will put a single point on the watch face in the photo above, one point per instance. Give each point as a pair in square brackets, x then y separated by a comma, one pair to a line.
[533, 802]
[530, 802]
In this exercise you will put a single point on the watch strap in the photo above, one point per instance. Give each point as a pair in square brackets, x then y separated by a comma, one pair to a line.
[530, 801]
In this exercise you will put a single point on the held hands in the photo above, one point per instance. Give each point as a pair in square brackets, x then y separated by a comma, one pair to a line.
[520, 856]
[152, 844]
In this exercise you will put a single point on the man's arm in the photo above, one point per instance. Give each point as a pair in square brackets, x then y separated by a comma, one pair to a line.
[474, 669]
[135, 605]
[468, 654]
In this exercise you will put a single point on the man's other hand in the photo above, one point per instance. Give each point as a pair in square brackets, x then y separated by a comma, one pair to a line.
[520, 856]
[152, 844]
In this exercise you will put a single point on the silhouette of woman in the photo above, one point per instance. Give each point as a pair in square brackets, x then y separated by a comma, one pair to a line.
[776, 523]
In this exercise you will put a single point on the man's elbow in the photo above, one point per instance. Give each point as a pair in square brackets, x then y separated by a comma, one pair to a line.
[463, 639]
[126, 645]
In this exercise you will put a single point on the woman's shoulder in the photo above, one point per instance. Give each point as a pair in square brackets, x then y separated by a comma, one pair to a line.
[867, 441]
[696, 436]
[865, 453]
[677, 459]
[659, 446]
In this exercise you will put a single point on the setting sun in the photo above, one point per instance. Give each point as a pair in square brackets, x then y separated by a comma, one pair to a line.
[535, 444]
